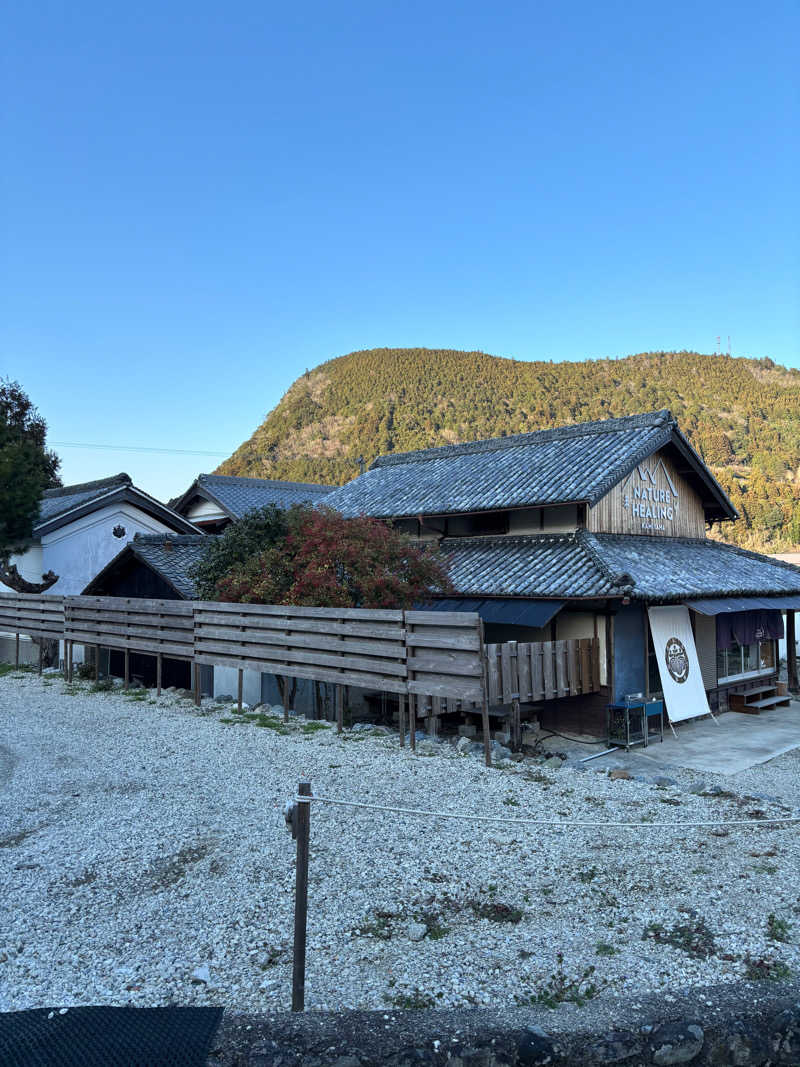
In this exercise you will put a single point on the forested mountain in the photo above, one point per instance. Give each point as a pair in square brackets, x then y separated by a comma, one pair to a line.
[742, 415]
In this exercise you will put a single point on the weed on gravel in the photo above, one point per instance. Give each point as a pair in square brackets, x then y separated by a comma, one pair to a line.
[759, 968]
[778, 929]
[561, 988]
[414, 1000]
[692, 937]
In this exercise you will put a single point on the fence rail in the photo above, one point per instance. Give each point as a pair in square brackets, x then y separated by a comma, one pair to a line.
[422, 654]
[346, 646]
[404, 652]
[164, 627]
[32, 614]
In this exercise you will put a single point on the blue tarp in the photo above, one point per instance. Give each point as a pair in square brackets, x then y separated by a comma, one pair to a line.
[724, 605]
[512, 612]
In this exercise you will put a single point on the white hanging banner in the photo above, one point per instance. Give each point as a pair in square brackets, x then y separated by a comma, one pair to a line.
[678, 665]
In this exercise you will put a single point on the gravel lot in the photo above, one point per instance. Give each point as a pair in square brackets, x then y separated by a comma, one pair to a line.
[142, 840]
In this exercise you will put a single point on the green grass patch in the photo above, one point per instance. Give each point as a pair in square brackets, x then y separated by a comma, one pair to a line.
[559, 988]
[314, 726]
[778, 929]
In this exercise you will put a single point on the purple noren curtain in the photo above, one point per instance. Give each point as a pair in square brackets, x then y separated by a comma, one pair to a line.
[747, 627]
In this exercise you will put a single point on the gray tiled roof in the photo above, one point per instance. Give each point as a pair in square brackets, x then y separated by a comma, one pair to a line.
[237, 496]
[57, 501]
[598, 565]
[534, 566]
[172, 556]
[571, 463]
[676, 568]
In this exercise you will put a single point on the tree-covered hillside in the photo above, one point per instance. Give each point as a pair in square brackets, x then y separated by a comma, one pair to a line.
[742, 415]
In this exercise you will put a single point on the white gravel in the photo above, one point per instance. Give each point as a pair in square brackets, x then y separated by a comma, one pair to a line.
[143, 843]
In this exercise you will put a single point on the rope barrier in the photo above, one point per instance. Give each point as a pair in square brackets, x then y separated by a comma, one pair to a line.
[587, 823]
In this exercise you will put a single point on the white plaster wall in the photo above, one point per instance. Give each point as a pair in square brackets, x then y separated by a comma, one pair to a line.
[29, 565]
[601, 639]
[204, 510]
[226, 682]
[576, 624]
[79, 551]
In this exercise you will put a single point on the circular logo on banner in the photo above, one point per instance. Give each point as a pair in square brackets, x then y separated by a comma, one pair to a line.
[677, 660]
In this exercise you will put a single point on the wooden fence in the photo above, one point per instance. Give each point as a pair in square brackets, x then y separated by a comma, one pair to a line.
[542, 670]
[405, 652]
[435, 659]
[156, 627]
[346, 646]
[36, 615]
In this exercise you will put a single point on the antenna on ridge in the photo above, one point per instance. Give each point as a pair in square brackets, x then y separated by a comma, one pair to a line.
[718, 341]
[729, 344]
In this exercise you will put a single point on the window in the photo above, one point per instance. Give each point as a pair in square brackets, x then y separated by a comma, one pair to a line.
[757, 658]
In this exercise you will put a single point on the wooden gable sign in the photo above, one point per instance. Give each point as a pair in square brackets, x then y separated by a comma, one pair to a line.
[653, 500]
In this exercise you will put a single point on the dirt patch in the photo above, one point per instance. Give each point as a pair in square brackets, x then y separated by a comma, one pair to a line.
[171, 869]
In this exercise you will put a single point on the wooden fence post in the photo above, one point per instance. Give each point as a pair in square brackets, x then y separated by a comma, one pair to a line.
[791, 652]
[127, 667]
[302, 833]
[196, 669]
[97, 663]
[487, 741]
[516, 724]
[239, 688]
[412, 722]
[401, 718]
[16, 653]
[70, 656]
[339, 709]
[41, 654]
[159, 665]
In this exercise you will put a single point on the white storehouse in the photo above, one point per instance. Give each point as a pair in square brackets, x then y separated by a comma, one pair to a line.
[82, 527]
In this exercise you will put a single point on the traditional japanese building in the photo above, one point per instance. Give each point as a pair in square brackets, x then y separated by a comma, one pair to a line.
[214, 501]
[599, 530]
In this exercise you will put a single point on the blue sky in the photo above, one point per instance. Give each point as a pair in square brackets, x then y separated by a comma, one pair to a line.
[200, 201]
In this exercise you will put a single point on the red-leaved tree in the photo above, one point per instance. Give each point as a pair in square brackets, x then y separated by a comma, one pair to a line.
[326, 560]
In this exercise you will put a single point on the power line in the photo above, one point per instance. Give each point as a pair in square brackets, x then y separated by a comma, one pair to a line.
[138, 448]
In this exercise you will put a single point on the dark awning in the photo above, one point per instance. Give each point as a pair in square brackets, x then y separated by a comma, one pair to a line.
[724, 605]
[498, 609]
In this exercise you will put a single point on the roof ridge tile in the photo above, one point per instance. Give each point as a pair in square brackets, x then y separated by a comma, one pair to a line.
[556, 433]
[206, 479]
[84, 487]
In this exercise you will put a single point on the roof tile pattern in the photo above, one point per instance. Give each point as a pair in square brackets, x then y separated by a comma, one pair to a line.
[532, 566]
[57, 501]
[571, 463]
[677, 568]
[237, 496]
[172, 556]
[600, 565]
